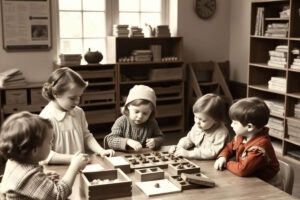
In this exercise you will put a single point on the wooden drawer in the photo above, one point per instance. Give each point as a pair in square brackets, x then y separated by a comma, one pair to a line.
[97, 74]
[169, 110]
[166, 74]
[100, 116]
[168, 91]
[9, 109]
[16, 97]
[36, 97]
[98, 96]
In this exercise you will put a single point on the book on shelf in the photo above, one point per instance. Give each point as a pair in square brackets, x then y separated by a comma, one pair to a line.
[259, 25]
[277, 54]
[12, 77]
[279, 59]
[280, 64]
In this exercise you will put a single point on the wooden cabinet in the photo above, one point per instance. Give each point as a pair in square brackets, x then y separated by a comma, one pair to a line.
[165, 75]
[278, 84]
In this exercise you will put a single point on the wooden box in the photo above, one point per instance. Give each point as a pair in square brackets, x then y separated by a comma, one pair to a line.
[198, 179]
[16, 97]
[107, 75]
[149, 174]
[169, 110]
[111, 184]
[100, 116]
[98, 96]
[187, 167]
[118, 162]
[9, 109]
[166, 74]
[36, 97]
[181, 184]
[169, 91]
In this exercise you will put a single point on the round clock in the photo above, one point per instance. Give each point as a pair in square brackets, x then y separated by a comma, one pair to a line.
[205, 8]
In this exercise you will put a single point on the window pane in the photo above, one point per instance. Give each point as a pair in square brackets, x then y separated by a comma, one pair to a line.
[95, 45]
[131, 19]
[94, 24]
[69, 4]
[150, 18]
[151, 5]
[98, 5]
[129, 5]
[70, 24]
[71, 46]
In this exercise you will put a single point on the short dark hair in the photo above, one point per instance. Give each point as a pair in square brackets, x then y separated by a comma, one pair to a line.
[21, 133]
[212, 105]
[60, 81]
[250, 110]
[138, 102]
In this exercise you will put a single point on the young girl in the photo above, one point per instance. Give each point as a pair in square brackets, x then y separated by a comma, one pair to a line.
[71, 134]
[25, 140]
[208, 135]
[137, 127]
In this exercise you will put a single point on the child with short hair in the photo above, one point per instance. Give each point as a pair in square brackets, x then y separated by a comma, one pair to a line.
[25, 139]
[137, 127]
[208, 135]
[252, 147]
[71, 134]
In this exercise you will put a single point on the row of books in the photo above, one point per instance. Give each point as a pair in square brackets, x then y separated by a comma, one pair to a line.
[142, 55]
[259, 25]
[297, 110]
[12, 77]
[120, 30]
[123, 30]
[277, 83]
[276, 127]
[293, 130]
[278, 57]
[277, 30]
[276, 107]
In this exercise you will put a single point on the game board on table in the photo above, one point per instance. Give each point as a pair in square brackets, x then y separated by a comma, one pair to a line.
[154, 159]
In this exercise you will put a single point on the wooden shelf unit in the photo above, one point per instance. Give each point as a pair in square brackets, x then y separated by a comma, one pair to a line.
[169, 87]
[259, 73]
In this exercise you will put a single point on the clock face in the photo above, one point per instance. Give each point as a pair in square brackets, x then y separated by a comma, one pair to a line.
[205, 8]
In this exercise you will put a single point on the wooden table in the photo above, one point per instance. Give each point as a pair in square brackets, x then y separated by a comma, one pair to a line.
[228, 186]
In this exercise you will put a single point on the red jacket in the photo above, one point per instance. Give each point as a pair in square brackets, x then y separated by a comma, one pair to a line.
[256, 157]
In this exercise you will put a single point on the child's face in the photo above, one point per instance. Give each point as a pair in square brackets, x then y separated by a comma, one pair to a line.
[203, 121]
[139, 114]
[43, 150]
[239, 128]
[69, 99]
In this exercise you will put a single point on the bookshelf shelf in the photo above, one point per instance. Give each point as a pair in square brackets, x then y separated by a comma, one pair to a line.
[260, 73]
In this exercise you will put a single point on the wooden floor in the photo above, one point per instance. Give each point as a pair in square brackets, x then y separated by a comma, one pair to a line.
[174, 138]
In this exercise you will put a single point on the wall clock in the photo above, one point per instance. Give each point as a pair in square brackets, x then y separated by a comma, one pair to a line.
[205, 8]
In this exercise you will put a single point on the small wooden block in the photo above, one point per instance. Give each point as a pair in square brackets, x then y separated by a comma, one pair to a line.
[181, 184]
[149, 174]
[186, 167]
[199, 179]
[118, 162]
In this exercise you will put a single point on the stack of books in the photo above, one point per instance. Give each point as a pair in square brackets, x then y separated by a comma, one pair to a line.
[276, 107]
[294, 130]
[120, 30]
[142, 55]
[297, 110]
[12, 77]
[278, 57]
[70, 59]
[163, 31]
[277, 83]
[285, 13]
[135, 31]
[277, 30]
[276, 127]
[259, 25]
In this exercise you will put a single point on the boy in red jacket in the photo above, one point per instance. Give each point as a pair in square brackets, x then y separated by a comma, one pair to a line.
[252, 148]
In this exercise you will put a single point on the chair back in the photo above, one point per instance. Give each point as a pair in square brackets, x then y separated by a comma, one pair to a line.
[287, 174]
[105, 143]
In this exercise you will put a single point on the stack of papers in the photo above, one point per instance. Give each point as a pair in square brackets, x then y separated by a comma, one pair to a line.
[12, 77]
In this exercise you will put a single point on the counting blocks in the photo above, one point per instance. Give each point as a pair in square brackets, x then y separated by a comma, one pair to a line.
[199, 179]
[109, 184]
[118, 162]
[181, 184]
[149, 174]
[186, 167]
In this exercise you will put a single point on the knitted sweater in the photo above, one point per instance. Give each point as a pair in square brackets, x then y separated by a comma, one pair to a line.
[205, 144]
[123, 129]
[256, 157]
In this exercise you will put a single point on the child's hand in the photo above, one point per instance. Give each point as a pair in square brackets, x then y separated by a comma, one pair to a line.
[220, 163]
[134, 144]
[172, 149]
[108, 152]
[181, 152]
[150, 143]
[79, 160]
[52, 175]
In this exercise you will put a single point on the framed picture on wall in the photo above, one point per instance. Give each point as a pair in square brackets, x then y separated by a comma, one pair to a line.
[26, 25]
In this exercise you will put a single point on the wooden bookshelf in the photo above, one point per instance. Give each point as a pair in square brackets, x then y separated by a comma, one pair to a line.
[260, 73]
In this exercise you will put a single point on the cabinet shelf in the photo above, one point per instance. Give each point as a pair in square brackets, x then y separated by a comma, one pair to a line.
[266, 89]
[264, 65]
[269, 38]
[148, 81]
[149, 63]
[276, 19]
[294, 94]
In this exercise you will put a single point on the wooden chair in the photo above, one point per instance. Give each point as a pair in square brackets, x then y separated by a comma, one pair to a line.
[287, 173]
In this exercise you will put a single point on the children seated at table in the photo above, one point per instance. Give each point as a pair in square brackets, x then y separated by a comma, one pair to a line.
[25, 139]
[208, 135]
[71, 134]
[137, 127]
[251, 147]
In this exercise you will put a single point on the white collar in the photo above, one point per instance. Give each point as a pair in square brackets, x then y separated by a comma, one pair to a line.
[57, 113]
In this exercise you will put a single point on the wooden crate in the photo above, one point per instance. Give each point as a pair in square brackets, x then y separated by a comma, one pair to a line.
[107, 189]
[16, 97]
[36, 97]
[118, 162]
[169, 110]
[166, 74]
[100, 116]
[98, 96]
[187, 167]
[149, 174]
[174, 90]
